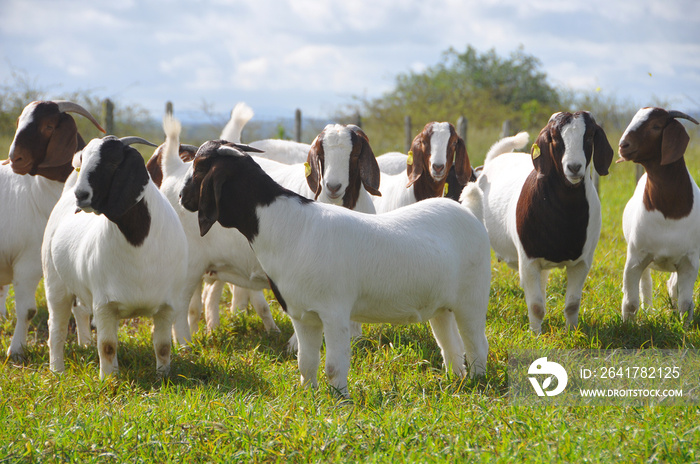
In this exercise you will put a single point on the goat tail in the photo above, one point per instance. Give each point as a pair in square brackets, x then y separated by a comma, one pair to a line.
[473, 199]
[507, 145]
[240, 115]
[171, 147]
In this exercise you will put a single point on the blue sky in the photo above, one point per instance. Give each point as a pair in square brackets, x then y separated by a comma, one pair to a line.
[279, 55]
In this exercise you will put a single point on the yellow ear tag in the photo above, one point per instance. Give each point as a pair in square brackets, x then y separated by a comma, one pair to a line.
[307, 169]
[409, 160]
[535, 151]
[77, 169]
[444, 194]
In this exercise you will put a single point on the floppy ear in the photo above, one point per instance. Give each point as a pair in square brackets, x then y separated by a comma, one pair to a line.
[463, 167]
[314, 170]
[416, 159]
[63, 143]
[369, 169]
[542, 151]
[602, 151]
[674, 141]
[128, 183]
[209, 196]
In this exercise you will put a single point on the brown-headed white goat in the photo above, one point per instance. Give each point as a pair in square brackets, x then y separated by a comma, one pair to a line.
[661, 222]
[542, 211]
[433, 152]
[122, 252]
[339, 265]
[40, 162]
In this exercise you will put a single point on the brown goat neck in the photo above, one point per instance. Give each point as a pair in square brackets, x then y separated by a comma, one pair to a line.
[669, 189]
[427, 187]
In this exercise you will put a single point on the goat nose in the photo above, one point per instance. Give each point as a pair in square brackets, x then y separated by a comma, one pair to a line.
[574, 168]
[438, 167]
[624, 145]
[333, 188]
[82, 197]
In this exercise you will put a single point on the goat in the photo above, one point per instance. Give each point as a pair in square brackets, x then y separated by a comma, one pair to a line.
[661, 222]
[395, 162]
[341, 169]
[542, 211]
[432, 154]
[222, 254]
[126, 260]
[39, 163]
[340, 265]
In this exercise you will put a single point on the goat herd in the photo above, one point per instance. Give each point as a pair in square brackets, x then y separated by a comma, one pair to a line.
[117, 238]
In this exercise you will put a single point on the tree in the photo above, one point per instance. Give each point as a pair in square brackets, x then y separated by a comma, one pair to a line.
[484, 87]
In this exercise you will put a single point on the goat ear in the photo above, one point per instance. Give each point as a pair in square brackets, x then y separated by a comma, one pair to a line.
[674, 141]
[128, 183]
[314, 166]
[463, 168]
[209, 196]
[602, 151]
[542, 151]
[63, 143]
[369, 169]
[416, 158]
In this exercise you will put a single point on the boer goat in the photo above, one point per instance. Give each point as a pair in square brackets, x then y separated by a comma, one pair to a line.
[661, 222]
[122, 252]
[339, 265]
[542, 210]
[433, 152]
[39, 164]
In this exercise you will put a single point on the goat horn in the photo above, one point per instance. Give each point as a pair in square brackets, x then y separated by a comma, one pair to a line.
[130, 140]
[193, 148]
[244, 147]
[65, 106]
[678, 114]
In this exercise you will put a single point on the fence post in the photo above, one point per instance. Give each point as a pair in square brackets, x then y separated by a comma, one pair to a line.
[408, 133]
[505, 131]
[358, 119]
[108, 115]
[169, 108]
[462, 125]
[297, 125]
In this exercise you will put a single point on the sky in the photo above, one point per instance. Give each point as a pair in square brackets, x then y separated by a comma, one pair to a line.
[321, 55]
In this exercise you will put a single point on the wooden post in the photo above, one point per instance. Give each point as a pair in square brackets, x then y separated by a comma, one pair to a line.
[462, 129]
[505, 131]
[358, 119]
[169, 108]
[108, 115]
[408, 133]
[297, 125]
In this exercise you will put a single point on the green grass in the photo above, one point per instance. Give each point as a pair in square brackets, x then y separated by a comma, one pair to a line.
[235, 394]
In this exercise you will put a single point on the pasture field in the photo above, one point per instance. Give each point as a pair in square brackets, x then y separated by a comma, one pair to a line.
[234, 395]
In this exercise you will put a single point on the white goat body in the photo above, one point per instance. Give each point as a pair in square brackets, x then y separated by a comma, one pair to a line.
[111, 267]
